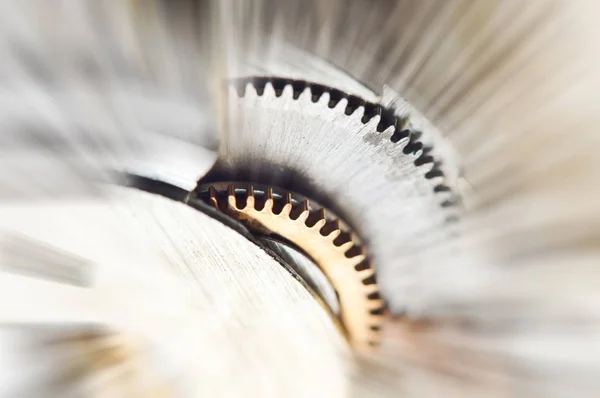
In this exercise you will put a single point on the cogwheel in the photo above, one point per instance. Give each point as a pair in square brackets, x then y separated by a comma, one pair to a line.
[359, 159]
[334, 248]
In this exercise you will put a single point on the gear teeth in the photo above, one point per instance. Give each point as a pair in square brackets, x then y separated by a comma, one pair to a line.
[303, 217]
[371, 289]
[269, 91]
[389, 131]
[288, 91]
[374, 115]
[400, 137]
[321, 216]
[231, 200]
[372, 124]
[251, 92]
[376, 304]
[344, 247]
[341, 106]
[358, 113]
[346, 264]
[306, 96]
[213, 197]
[366, 274]
[319, 224]
[324, 100]
[287, 208]
[250, 201]
[334, 234]
[375, 319]
[333, 230]
[356, 260]
[268, 201]
[305, 212]
[305, 205]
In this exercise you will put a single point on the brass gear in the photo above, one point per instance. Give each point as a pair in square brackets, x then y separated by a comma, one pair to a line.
[334, 248]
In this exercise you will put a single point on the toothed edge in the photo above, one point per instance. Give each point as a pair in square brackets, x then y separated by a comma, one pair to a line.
[319, 224]
[288, 92]
[269, 91]
[356, 260]
[401, 122]
[371, 125]
[334, 234]
[321, 219]
[305, 204]
[250, 197]
[374, 320]
[288, 198]
[341, 106]
[268, 206]
[445, 195]
[306, 97]
[405, 143]
[231, 200]
[287, 208]
[336, 225]
[322, 214]
[303, 217]
[358, 113]
[213, 196]
[419, 153]
[365, 274]
[268, 201]
[344, 247]
[389, 132]
[251, 92]
[370, 289]
[437, 179]
[402, 143]
[305, 213]
[323, 101]
[375, 304]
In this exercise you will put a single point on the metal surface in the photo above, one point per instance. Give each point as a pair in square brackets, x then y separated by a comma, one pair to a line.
[341, 257]
[202, 302]
[300, 141]
[89, 87]
[307, 270]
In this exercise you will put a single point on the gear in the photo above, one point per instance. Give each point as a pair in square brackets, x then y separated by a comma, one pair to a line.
[334, 248]
[359, 159]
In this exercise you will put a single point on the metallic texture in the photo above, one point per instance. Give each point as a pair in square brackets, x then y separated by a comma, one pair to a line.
[355, 157]
[307, 270]
[335, 250]
[200, 302]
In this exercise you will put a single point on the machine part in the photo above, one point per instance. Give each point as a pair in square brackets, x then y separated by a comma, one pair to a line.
[307, 270]
[284, 132]
[340, 256]
[182, 285]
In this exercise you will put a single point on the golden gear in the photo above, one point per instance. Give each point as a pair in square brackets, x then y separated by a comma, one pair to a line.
[338, 253]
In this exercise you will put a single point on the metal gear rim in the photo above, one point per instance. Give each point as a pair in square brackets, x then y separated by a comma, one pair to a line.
[343, 261]
[251, 154]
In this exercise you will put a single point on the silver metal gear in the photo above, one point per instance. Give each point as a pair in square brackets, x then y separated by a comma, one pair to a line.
[381, 180]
